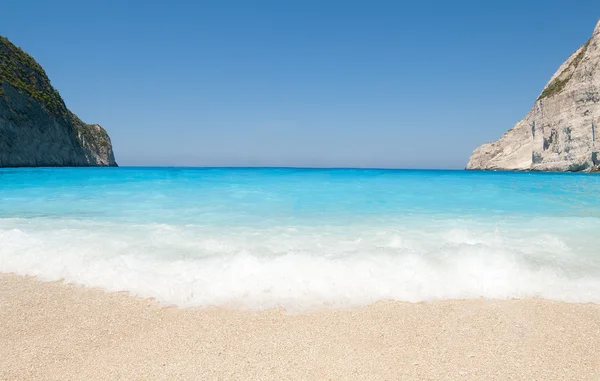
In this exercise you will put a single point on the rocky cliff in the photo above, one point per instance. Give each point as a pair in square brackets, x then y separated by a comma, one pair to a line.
[562, 130]
[36, 128]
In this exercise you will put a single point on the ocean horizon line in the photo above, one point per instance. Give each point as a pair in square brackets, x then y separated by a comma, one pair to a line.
[303, 168]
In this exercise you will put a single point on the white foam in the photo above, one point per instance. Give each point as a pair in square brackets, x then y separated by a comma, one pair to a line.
[304, 268]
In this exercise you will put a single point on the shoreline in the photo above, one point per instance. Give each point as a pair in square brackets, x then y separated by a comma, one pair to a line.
[51, 330]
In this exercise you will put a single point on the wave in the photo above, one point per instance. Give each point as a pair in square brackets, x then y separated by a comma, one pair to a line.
[302, 268]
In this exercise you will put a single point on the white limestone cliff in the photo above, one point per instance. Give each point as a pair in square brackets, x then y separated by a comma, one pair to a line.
[560, 133]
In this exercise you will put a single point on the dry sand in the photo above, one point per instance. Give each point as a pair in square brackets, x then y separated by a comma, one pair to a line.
[60, 332]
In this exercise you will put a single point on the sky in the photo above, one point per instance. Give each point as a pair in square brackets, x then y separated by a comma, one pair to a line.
[399, 84]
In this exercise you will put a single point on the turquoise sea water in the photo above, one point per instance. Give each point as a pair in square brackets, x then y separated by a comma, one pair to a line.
[304, 238]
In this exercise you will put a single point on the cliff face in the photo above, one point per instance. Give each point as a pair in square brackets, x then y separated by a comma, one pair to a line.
[561, 132]
[36, 128]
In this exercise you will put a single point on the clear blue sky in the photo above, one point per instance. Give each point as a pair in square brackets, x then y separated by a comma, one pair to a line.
[412, 84]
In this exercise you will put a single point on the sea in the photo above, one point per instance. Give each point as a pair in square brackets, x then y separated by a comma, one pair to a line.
[304, 239]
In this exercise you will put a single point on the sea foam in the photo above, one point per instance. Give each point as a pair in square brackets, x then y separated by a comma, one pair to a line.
[301, 269]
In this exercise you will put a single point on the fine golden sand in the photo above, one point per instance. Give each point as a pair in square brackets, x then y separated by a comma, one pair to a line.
[52, 331]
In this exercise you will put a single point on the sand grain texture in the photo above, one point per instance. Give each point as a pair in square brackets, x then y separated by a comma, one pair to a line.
[53, 331]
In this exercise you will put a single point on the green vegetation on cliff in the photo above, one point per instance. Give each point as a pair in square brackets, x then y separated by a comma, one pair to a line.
[559, 83]
[21, 71]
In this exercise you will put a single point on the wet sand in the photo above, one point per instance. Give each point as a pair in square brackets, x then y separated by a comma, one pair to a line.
[53, 331]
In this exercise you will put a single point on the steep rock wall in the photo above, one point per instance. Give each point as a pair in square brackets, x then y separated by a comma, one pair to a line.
[560, 132]
[36, 128]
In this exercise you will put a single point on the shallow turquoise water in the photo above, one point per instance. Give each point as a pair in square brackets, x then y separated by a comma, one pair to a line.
[304, 238]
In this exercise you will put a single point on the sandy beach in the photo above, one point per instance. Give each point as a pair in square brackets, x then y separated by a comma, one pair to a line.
[54, 331]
